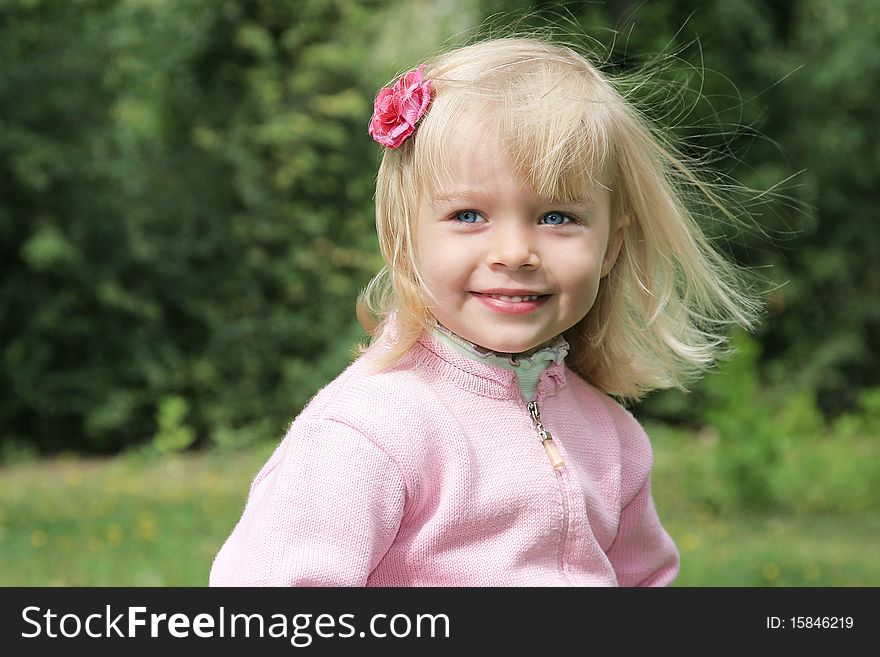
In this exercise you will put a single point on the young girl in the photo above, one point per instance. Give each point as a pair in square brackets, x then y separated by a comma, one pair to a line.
[540, 262]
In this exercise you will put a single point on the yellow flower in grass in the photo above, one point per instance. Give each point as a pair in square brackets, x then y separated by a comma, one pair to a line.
[38, 538]
[113, 535]
[770, 571]
[690, 542]
[133, 487]
[146, 526]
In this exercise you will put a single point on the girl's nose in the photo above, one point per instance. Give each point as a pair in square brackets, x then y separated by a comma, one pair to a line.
[513, 247]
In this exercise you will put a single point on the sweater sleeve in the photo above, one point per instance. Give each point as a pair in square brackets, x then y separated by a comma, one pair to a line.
[643, 553]
[322, 512]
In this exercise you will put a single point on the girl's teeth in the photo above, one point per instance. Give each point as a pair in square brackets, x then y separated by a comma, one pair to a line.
[517, 299]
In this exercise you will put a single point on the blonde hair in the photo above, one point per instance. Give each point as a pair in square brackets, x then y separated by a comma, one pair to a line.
[661, 313]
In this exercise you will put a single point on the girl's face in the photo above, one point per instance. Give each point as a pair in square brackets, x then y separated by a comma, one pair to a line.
[506, 269]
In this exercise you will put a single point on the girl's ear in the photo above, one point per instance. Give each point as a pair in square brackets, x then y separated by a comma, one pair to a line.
[615, 241]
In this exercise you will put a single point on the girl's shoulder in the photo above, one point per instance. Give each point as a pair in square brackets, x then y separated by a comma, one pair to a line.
[611, 413]
[618, 429]
[371, 400]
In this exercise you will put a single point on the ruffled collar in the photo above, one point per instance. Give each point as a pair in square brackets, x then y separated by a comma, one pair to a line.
[528, 369]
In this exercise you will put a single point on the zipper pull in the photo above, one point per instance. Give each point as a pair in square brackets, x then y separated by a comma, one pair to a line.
[546, 439]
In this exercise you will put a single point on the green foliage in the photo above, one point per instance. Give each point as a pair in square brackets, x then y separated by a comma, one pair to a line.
[763, 448]
[173, 435]
[864, 420]
[186, 214]
[748, 444]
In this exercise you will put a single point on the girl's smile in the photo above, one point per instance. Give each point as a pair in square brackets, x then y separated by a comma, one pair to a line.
[513, 302]
[505, 268]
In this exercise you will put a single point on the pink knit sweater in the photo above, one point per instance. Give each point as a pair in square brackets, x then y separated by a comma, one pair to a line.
[433, 474]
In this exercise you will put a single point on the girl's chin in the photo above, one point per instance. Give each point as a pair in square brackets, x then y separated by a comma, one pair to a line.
[523, 345]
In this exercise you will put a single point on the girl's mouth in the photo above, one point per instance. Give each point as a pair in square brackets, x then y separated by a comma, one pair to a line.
[512, 304]
[516, 298]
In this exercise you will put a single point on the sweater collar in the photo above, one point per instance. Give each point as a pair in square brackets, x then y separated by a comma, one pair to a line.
[540, 373]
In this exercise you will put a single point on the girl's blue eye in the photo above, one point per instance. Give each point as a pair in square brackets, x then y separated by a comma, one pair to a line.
[468, 216]
[555, 219]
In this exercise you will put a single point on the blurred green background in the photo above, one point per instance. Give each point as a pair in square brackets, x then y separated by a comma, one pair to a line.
[186, 221]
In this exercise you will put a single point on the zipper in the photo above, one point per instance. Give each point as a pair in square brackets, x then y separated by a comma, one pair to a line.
[546, 439]
[559, 468]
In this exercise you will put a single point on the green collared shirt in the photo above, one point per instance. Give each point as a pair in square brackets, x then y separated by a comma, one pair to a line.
[527, 368]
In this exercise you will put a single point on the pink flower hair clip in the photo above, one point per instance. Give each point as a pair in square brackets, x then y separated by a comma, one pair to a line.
[397, 109]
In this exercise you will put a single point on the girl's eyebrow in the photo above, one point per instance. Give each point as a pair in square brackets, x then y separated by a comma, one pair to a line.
[455, 196]
[575, 202]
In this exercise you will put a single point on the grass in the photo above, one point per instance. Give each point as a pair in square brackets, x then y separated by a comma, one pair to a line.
[137, 520]
[775, 549]
[125, 521]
